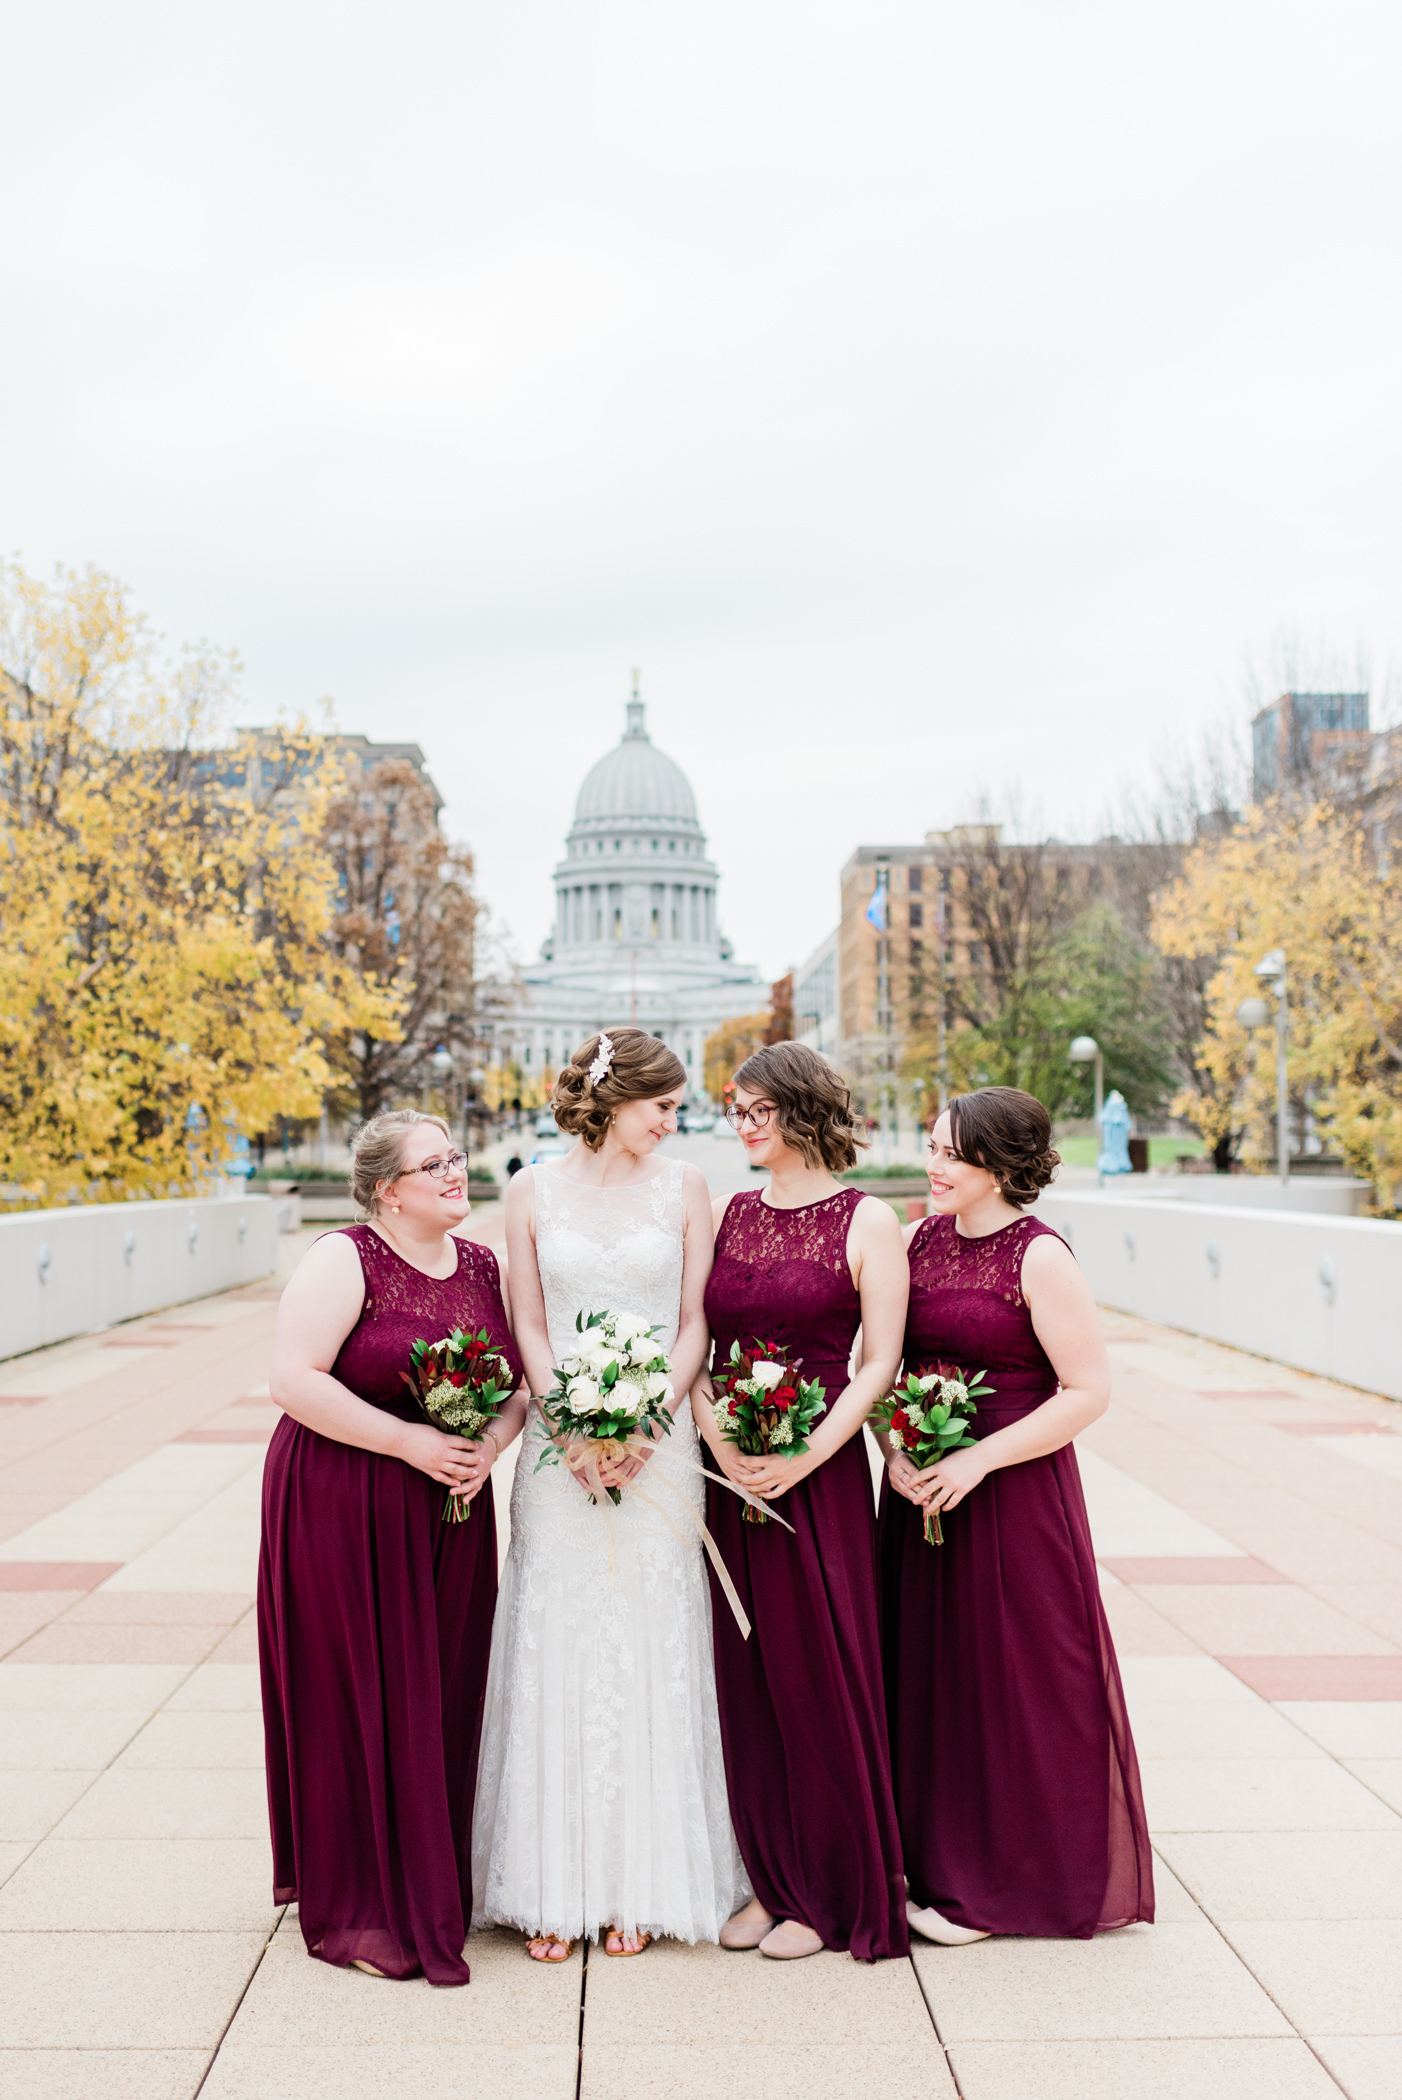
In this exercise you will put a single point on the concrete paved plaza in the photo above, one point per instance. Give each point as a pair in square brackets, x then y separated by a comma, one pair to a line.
[1249, 1523]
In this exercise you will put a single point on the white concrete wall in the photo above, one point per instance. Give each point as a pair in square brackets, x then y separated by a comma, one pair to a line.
[67, 1272]
[1321, 1293]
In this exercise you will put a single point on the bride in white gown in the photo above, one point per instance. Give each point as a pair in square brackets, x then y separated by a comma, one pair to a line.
[601, 1800]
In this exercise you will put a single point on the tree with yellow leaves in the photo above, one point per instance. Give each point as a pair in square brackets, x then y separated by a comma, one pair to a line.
[167, 977]
[1307, 881]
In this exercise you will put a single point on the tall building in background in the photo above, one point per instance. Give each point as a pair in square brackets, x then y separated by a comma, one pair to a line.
[1308, 739]
[637, 938]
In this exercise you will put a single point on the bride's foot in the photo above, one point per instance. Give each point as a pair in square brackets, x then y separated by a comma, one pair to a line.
[748, 1926]
[548, 1946]
[367, 1968]
[616, 1941]
[790, 1941]
[931, 1926]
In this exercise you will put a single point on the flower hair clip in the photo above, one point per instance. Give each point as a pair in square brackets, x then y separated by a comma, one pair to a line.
[599, 1068]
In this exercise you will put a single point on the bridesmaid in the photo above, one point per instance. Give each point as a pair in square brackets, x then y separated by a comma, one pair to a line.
[375, 1617]
[1016, 1779]
[801, 1264]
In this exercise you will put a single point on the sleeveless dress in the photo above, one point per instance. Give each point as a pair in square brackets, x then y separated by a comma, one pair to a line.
[1016, 1778]
[801, 1705]
[601, 1799]
[374, 1625]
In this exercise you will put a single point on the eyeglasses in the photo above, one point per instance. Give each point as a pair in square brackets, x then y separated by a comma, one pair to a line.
[440, 1169]
[759, 1116]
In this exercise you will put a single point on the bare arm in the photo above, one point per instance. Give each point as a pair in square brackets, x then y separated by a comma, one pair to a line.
[511, 1417]
[532, 1328]
[319, 1308]
[1067, 1325]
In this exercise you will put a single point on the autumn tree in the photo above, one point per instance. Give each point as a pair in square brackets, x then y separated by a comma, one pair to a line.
[780, 1029]
[728, 1046]
[167, 978]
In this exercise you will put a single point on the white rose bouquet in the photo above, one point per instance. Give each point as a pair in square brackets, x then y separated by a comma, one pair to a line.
[608, 1395]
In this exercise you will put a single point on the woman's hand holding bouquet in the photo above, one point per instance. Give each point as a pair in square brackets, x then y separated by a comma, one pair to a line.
[607, 1406]
[924, 1419]
[461, 1383]
[767, 1411]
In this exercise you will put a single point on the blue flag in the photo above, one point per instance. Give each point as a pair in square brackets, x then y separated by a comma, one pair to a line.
[876, 910]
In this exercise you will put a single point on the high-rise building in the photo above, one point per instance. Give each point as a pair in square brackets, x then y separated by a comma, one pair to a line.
[1313, 739]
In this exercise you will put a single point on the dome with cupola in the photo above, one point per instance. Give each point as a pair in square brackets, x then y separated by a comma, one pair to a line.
[636, 780]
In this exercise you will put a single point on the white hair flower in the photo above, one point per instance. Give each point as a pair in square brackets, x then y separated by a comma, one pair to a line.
[599, 1068]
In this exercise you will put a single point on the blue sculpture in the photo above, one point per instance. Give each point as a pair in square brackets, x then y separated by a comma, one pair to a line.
[1116, 1123]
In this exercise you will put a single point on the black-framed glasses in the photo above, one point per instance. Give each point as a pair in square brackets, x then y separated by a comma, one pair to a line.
[758, 1116]
[440, 1169]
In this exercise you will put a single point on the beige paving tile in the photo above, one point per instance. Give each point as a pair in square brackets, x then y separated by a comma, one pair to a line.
[65, 1642]
[220, 1687]
[703, 1996]
[192, 1740]
[1180, 2070]
[1383, 1775]
[98, 1687]
[1375, 1604]
[101, 2074]
[239, 1645]
[32, 1802]
[1308, 1793]
[142, 1885]
[1148, 1982]
[1290, 1874]
[136, 1803]
[1173, 1905]
[1349, 1727]
[1364, 2064]
[295, 2002]
[1276, 1619]
[489, 2071]
[12, 1851]
[1341, 1978]
[116, 1607]
[23, 1612]
[1216, 1729]
[1137, 1629]
[789, 2071]
[1196, 1678]
[122, 1990]
[41, 1739]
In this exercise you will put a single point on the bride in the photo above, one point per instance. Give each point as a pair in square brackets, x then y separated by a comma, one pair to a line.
[601, 1800]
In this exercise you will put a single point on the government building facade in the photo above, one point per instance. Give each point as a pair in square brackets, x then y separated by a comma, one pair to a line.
[637, 939]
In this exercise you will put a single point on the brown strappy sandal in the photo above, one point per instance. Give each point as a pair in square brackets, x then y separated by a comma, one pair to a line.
[549, 1939]
[616, 1932]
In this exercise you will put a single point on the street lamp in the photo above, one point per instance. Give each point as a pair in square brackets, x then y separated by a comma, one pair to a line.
[1083, 1049]
[1254, 1013]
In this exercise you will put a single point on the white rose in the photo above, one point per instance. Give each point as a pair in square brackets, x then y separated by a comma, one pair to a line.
[659, 1385]
[626, 1325]
[625, 1397]
[766, 1376]
[583, 1395]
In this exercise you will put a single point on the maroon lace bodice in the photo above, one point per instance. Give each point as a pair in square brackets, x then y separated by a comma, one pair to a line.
[782, 1276]
[403, 1306]
[967, 1307]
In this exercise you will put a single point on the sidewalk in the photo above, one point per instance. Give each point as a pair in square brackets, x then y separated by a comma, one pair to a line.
[1249, 1524]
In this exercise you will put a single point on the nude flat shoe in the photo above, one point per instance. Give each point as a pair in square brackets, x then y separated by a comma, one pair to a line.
[744, 1938]
[367, 1968]
[931, 1926]
[784, 1944]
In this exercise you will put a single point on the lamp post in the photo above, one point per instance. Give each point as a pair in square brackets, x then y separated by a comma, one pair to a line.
[1083, 1049]
[1254, 1013]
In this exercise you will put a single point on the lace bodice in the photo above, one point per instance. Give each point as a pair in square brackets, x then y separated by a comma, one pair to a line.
[610, 1250]
[403, 1306]
[782, 1276]
[967, 1307]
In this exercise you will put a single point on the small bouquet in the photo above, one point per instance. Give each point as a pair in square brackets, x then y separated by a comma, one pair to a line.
[460, 1383]
[927, 1416]
[763, 1405]
[609, 1392]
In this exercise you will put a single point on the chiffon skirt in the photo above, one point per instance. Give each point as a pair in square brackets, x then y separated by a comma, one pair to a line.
[1015, 1773]
[374, 1629]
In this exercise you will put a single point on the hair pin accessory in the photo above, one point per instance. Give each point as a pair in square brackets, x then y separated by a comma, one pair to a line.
[599, 1068]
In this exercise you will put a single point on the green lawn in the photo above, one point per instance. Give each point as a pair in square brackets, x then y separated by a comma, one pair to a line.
[1081, 1151]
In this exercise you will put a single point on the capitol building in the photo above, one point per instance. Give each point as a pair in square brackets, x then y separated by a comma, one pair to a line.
[637, 937]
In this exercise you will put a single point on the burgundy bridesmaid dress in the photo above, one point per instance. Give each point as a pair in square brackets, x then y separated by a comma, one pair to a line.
[801, 1712]
[374, 1628]
[1016, 1779]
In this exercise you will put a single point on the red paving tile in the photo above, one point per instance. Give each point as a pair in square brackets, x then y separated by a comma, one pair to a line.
[22, 1399]
[240, 1644]
[1195, 1567]
[1319, 1676]
[1332, 1428]
[56, 1574]
[222, 1436]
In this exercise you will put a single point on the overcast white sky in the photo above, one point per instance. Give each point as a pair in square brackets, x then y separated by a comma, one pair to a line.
[925, 396]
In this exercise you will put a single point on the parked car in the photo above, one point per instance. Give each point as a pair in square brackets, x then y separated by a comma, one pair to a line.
[550, 1148]
[697, 1121]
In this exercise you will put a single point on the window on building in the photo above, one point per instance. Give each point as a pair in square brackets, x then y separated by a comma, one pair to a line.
[671, 845]
[656, 925]
[913, 877]
[617, 923]
[917, 914]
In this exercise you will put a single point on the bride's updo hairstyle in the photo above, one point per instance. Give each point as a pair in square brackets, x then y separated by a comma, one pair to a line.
[377, 1154]
[1009, 1133]
[639, 1069]
[815, 1108]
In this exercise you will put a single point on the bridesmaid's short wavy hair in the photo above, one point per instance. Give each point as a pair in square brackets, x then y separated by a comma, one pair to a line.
[377, 1154]
[815, 1108]
[1009, 1133]
[641, 1069]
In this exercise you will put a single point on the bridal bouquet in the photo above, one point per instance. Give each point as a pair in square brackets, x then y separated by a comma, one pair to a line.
[460, 1383]
[763, 1406]
[927, 1416]
[608, 1393]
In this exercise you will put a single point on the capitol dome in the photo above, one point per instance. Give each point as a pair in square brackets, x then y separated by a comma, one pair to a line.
[636, 780]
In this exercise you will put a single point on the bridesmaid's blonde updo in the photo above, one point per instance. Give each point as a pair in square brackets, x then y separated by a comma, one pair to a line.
[377, 1154]
[639, 1069]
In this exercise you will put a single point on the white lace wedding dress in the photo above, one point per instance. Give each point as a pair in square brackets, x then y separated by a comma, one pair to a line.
[601, 1794]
